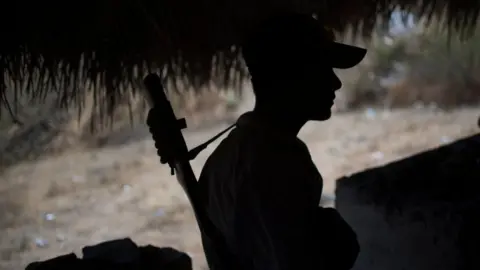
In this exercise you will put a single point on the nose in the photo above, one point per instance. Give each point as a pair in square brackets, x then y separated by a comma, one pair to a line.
[336, 83]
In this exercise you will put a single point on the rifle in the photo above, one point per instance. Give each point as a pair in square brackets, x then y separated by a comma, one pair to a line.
[178, 157]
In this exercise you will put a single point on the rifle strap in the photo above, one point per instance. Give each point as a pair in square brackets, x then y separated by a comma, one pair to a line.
[192, 154]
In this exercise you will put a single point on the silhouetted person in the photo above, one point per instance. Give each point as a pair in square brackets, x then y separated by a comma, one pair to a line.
[260, 186]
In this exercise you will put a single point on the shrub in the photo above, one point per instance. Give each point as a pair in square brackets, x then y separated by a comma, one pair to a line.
[423, 65]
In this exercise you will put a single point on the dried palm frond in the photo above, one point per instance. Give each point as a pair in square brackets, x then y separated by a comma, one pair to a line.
[106, 46]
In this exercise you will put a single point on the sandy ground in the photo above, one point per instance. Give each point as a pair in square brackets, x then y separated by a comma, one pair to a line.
[57, 205]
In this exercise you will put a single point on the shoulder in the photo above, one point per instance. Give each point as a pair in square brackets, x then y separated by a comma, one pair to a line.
[282, 151]
[255, 152]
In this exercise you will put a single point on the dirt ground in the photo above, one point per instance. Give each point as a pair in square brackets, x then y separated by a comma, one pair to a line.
[59, 204]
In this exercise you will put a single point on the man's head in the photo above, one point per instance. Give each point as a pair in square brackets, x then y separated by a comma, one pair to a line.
[291, 58]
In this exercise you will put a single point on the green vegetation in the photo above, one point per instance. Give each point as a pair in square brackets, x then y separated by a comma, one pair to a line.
[425, 65]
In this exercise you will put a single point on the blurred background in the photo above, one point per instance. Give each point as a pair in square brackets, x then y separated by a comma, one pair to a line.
[63, 187]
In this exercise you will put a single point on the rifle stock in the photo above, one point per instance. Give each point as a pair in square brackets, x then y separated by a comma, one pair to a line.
[179, 162]
[178, 159]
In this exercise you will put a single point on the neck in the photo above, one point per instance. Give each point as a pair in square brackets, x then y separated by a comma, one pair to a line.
[280, 118]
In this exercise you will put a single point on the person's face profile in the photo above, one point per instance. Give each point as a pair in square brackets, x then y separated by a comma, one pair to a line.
[316, 87]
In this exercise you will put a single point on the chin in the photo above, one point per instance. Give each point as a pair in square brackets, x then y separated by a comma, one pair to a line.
[322, 117]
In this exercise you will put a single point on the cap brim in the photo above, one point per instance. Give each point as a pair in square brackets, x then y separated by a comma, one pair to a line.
[346, 56]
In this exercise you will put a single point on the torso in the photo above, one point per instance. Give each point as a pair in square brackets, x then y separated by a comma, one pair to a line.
[225, 176]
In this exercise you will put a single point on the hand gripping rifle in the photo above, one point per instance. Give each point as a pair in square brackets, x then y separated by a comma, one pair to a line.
[178, 157]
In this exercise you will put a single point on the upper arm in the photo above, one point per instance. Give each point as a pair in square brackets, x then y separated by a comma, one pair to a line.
[281, 208]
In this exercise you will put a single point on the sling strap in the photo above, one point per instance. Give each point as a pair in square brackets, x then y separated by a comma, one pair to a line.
[192, 154]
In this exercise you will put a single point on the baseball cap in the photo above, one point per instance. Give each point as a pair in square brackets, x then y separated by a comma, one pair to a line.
[295, 39]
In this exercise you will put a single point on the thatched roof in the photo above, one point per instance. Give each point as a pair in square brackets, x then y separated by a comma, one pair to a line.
[44, 42]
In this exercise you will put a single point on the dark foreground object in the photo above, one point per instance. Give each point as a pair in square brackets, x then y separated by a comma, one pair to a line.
[419, 213]
[122, 254]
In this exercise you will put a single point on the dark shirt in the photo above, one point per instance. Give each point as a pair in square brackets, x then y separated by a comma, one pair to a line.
[262, 191]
